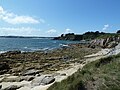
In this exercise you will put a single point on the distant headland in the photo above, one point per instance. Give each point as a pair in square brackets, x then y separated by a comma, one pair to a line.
[90, 35]
[23, 37]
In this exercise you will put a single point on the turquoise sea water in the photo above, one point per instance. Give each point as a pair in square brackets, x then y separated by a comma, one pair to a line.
[31, 44]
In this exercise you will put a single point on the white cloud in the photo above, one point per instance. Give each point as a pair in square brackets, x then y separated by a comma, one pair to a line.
[68, 31]
[1, 10]
[12, 18]
[22, 31]
[27, 31]
[52, 31]
[105, 27]
[20, 20]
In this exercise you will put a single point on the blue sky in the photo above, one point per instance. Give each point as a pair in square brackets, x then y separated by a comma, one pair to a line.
[54, 17]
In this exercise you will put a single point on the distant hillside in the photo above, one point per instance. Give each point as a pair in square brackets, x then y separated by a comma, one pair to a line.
[85, 36]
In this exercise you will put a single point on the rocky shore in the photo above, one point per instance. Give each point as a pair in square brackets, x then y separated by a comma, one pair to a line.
[108, 42]
[29, 70]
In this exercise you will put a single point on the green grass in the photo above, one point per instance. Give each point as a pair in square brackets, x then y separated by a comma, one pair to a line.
[103, 74]
[108, 35]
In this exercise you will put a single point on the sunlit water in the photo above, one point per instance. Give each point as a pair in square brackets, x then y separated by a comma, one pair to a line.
[31, 44]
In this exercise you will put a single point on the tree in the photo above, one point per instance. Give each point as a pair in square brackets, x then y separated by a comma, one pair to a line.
[62, 35]
[97, 32]
[118, 31]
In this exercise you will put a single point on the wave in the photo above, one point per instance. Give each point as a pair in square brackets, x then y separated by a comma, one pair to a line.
[3, 52]
[63, 45]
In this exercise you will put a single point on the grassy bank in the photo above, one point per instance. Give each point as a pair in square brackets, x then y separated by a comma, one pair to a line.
[103, 74]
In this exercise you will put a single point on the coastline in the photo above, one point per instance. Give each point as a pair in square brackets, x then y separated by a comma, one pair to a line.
[31, 44]
[52, 63]
[31, 82]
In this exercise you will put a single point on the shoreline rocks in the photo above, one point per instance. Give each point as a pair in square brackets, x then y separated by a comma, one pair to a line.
[47, 80]
[31, 72]
[108, 42]
[37, 68]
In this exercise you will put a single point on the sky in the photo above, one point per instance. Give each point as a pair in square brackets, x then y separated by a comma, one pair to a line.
[48, 18]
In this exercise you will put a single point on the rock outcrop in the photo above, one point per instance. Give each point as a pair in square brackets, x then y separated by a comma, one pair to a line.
[47, 80]
[108, 42]
[31, 72]
[115, 50]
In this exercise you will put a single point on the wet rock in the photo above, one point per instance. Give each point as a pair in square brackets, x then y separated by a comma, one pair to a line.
[13, 52]
[31, 72]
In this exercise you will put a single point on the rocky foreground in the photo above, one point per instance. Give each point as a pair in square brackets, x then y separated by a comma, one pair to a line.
[38, 70]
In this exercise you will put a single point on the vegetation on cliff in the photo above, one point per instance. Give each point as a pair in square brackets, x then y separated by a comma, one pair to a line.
[86, 36]
[102, 74]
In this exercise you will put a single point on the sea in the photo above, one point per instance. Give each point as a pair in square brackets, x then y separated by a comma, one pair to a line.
[31, 44]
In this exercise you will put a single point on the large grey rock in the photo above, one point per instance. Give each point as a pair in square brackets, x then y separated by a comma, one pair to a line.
[37, 80]
[31, 72]
[47, 80]
[12, 87]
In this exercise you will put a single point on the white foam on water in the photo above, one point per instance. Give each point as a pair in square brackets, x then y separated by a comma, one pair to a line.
[3, 52]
